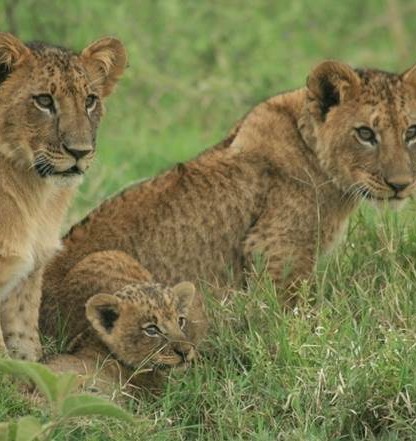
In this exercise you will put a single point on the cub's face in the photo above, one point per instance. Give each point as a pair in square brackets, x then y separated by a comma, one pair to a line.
[51, 103]
[364, 130]
[148, 325]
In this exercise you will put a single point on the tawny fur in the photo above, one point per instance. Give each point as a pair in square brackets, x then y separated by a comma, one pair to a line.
[112, 347]
[47, 140]
[282, 184]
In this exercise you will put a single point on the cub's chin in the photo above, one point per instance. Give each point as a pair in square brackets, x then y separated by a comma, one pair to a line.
[383, 201]
[391, 203]
[63, 181]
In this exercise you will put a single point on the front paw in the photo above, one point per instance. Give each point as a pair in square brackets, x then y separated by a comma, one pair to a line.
[24, 347]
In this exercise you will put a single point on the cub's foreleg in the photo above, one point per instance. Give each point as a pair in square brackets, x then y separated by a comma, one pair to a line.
[288, 241]
[19, 318]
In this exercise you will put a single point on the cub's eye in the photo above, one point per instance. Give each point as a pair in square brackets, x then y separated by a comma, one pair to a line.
[182, 322]
[90, 102]
[44, 101]
[410, 133]
[366, 134]
[152, 330]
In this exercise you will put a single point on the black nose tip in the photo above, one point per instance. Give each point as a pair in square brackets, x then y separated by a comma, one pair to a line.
[397, 186]
[76, 153]
[183, 351]
[182, 354]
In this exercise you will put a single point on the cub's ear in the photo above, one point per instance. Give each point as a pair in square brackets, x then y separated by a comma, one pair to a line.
[12, 53]
[184, 292]
[409, 76]
[331, 83]
[105, 59]
[103, 310]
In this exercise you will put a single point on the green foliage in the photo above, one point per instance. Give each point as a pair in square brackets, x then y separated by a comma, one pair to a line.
[63, 404]
[342, 367]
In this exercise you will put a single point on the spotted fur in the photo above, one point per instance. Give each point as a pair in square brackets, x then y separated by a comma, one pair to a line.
[282, 184]
[48, 129]
[111, 331]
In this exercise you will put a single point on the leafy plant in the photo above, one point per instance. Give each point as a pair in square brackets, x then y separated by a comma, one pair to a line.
[63, 403]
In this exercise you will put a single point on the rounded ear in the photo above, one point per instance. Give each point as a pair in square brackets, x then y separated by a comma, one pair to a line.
[12, 51]
[103, 310]
[105, 59]
[409, 76]
[331, 83]
[185, 293]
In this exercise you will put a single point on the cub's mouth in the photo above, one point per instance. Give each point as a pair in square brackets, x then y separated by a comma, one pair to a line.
[386, 194]
[395, 201]
[373, 197]
[164, 367]
[73, 171]
[153, 366]
[45, 170]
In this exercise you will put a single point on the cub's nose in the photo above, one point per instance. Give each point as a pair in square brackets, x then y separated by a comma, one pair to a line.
[77, 153]
[397, 185]
[184, 350]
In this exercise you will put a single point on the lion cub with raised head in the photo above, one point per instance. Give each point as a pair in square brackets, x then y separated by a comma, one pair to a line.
[282, 184]
[132, 330]
[50, 107]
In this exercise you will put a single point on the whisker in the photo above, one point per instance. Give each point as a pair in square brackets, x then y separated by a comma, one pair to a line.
[37, 162]
[353, 192]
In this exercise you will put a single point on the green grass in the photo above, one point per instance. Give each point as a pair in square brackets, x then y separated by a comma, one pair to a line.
[342, 366]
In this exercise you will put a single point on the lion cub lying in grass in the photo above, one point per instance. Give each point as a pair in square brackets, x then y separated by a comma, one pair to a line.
[50, 108]
[131, 331]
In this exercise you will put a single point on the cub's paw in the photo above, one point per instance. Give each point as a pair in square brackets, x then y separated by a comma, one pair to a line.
[23, 347]
[3, 350]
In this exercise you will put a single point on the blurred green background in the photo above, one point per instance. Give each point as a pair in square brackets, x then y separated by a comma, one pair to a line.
[198, 66]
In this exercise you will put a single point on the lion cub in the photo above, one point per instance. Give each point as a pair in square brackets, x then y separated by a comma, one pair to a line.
[132, 337]
[50, 107]
[282, 184]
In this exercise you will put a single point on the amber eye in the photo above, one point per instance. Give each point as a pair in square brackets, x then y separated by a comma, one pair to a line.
[410, 133]
[90, 102]
[44, 101]
[182, 322]
[366, 135]
[152, 331]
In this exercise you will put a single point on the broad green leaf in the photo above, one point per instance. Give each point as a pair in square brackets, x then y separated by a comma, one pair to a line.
[65, 383]
[28, 429]
[4, 431]
[44, 379]
[87, 405]
[9, 434]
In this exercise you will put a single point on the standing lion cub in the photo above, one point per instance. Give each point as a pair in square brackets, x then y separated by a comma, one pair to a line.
[50, 107]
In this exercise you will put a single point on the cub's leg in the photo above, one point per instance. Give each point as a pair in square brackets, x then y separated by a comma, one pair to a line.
[94, 372]
[3, 350]
[13, 269]
[19, 318]
[288, 241]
